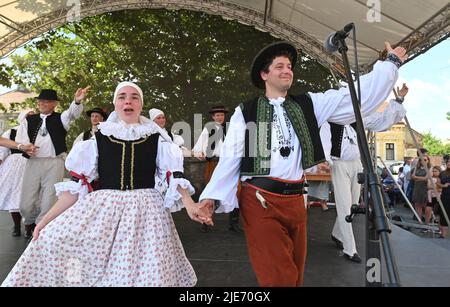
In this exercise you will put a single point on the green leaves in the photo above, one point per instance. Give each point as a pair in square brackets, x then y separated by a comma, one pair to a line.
[434, 145]
[184, 61]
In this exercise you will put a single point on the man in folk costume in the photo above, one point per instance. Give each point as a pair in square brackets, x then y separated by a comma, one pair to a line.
[96, 116]
[346, 164]
[271, 139]
[47, 130]
[208, 148]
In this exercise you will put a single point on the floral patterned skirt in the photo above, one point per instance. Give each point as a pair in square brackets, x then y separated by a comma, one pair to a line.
[11, 177]
[108, 238]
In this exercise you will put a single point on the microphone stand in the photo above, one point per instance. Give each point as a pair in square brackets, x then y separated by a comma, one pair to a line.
[376, 221]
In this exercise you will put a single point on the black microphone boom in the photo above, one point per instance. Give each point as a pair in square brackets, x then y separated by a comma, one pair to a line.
[331, 42]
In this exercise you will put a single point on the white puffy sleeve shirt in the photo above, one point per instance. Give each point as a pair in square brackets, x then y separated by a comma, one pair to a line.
[332, 105]
[83, 160]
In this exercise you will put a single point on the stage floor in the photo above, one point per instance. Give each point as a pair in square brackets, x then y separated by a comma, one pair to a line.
[220, 259]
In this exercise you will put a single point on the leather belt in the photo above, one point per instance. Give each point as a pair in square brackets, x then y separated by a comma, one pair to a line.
[277, 187]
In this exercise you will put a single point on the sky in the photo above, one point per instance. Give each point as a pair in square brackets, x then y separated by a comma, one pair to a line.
[428, 100]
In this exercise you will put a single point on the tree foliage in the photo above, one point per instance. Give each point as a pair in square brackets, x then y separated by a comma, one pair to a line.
[184, 61]
[434, 145]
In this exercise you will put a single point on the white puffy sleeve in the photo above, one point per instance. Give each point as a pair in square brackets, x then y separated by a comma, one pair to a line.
[170, 159]
[381, 121]
[82, 160]
[224, 181]
[5, 151]
[336, 105]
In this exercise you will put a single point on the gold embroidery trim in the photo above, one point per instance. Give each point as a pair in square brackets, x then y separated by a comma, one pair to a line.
[122, 166]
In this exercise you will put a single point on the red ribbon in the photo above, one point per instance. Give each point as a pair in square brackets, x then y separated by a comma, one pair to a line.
[168, 174]
[83, 180]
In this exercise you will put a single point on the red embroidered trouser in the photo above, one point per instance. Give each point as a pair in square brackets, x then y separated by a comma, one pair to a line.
[276, 236]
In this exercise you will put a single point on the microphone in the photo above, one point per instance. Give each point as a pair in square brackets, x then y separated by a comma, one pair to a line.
[331, 42]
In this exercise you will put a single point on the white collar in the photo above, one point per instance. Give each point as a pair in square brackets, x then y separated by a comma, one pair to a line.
[130, 132]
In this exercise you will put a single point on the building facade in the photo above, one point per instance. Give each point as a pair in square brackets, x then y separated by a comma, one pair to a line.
[9, 106]
[397, 143]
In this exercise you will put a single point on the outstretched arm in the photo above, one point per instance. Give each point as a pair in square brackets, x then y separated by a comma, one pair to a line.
[195, 212]
[75, 108]
[336, 105]
[30, 149]
[65, 201]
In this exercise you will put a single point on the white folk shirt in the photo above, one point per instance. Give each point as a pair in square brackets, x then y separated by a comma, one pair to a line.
[202, 142]
[332, 105]
[46, 148]
[376, 122]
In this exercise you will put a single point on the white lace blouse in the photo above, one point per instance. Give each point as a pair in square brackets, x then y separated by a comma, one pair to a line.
[83, 159]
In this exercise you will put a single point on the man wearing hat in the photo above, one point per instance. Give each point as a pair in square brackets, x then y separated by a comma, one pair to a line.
[271, 139]
[96, 115]
[47, 130]
[208, 148]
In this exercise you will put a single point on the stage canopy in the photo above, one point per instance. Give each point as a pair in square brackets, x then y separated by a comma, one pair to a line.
[417, 24]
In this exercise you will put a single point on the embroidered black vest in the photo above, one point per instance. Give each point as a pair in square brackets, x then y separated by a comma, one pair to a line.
[257, 151]
[337, 132]
[54, 127]
[126, 165]
[12, 137]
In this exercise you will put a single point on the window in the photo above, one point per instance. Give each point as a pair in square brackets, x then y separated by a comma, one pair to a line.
[390, 151]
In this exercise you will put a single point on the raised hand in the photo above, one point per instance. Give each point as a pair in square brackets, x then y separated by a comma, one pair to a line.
[81, 93]
[403, 91]
[399, 51]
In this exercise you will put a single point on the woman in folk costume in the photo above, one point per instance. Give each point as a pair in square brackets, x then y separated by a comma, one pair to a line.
[159, 118]
[12, 168]
[122, 234]
[162, 176]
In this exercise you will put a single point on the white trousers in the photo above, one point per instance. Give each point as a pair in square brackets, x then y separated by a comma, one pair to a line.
[346, 192]
[38, 187]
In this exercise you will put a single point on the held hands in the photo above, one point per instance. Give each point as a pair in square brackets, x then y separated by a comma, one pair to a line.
[324, 167]
[199, 155]
[399, 51]
[81, 93]
[200, 213]
[29, 149]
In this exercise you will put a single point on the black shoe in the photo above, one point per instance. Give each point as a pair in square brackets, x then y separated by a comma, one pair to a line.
[16, 231]
[204, 228]
[235, 227]
[338, 242]
[354, 258]
[28, 235]
[29, 229]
